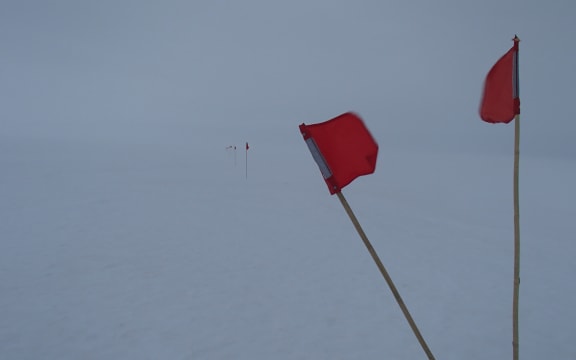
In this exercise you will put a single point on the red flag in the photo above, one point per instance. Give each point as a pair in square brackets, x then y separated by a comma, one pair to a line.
[501, 99]
[343, 148]
[247, 147]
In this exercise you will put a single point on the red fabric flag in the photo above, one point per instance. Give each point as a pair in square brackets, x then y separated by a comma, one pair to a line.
[501, 100]
[247, 147]
[343, 148]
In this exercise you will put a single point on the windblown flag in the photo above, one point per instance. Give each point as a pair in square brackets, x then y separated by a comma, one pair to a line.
[343, 148]
[501, 98]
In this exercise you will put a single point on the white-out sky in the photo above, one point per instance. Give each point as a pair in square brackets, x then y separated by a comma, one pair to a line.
[120, 251]
[217, 72]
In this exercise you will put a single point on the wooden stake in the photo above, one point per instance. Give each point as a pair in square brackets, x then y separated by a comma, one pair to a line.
[515, 342]
[385, 274]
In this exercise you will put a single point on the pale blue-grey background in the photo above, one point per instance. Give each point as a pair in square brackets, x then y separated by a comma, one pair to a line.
[216, 72]
[128, 231]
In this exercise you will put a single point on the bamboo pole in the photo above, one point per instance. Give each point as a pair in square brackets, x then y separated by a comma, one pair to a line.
[515, 340]
[385, 274]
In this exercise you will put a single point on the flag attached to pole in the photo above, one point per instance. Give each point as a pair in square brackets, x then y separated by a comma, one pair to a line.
[343, 148]
[501, 98]
[500, 104]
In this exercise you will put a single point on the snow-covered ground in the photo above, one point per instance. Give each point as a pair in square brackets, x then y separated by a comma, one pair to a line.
[135, 251]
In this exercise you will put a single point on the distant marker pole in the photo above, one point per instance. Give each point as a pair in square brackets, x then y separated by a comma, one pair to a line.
[247, 147]
[232, 147]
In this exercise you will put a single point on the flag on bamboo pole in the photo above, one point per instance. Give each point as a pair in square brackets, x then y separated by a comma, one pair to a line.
[501, 99]
[343, 148]
[500, 104]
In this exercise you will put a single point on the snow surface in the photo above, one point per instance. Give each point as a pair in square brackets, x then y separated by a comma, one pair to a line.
[149, 251]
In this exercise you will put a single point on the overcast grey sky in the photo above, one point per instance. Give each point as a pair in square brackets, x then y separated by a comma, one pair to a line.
[215, 72]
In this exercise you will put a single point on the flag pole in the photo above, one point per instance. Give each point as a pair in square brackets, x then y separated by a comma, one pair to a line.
[515, 340]
[516, 293]
[385, 274]
[246, 160]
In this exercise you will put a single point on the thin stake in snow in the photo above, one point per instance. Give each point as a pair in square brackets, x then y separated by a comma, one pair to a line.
[247, 147]
[344, 149]
[232, 147]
